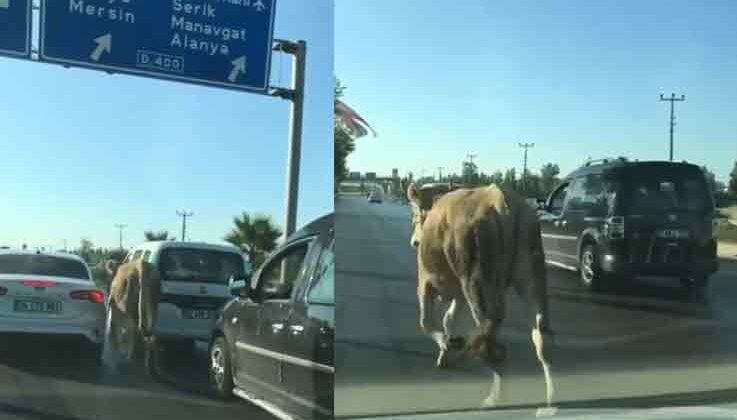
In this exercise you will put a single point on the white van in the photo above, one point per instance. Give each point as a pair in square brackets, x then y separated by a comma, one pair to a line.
[194, 284]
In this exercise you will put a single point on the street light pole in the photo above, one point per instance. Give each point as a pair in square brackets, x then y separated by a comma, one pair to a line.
[120, 228]
[296, 96]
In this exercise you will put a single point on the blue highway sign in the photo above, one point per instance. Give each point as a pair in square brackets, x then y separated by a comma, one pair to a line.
[15, 28]
[225, 43]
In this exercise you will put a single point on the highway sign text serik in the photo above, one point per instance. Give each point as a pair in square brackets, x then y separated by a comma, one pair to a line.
[225, 43]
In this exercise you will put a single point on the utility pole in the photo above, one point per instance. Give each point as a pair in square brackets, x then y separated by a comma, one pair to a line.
[672, 100]
[120, 228]
[471, 157]
[184, 215]
[524, 167]
[296, 94]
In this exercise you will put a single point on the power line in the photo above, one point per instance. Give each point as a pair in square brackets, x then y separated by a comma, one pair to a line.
[120, 228]
[184, 215]
[524, 168]
[672, 100]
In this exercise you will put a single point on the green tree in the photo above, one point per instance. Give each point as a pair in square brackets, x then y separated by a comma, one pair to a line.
[255, 235]
[510, 179]
[497, 178]
[549, 178]
[150, 235]
[348, 126]
[86, 250]
[711, 181]
[470, 173]
[733, 180]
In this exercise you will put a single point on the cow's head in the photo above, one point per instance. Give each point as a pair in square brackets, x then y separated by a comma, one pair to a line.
[111, 267]
[420, 207]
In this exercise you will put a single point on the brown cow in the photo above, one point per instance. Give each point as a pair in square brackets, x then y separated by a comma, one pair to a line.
[472, 244]
[133, 306]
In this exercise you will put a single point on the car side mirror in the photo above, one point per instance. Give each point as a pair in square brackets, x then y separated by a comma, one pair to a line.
[541, 204]
[239, 287]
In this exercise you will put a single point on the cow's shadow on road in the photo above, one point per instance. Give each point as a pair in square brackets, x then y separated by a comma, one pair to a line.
[71, 359]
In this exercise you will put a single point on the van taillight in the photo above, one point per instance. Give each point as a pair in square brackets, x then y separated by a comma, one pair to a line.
[614, 227]
[95, 296]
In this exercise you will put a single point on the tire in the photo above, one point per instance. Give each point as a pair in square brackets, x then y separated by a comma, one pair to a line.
[591, 276]
[219, 369]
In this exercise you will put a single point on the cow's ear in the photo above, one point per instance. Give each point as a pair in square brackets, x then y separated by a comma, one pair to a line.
[412, 194]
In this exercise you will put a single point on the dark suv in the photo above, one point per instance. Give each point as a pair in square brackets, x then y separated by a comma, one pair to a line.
[273, 343]
[616, 219]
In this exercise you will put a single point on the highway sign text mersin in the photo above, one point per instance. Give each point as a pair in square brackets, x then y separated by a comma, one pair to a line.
[224, 43]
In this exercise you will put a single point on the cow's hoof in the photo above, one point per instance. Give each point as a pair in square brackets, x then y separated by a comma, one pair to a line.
[456, 343]
[442, 362]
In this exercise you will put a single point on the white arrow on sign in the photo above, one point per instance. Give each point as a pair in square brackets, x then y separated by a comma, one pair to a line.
[239, 66]
[104, 44]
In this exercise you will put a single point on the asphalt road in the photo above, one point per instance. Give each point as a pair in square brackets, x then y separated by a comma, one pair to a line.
[51, 379]
[649, 344]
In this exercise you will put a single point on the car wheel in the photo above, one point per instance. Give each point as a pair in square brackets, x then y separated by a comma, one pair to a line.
[590, 273]
[221, 376]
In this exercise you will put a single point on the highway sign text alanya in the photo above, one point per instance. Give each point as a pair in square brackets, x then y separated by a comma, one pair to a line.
[225, 43]
[15, 28]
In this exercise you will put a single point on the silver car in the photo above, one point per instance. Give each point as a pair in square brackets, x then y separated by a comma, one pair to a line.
[51, 293]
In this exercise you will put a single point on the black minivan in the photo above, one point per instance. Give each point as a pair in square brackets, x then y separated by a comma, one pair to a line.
[614, 219]
[273, 342]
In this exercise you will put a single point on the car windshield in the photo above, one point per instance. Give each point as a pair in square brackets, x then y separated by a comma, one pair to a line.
[202, 266]
[42, 265]
[656, 191]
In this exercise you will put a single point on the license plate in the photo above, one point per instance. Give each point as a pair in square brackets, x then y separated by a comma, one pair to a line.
[196, 314]
[37, 306]
[673, 233]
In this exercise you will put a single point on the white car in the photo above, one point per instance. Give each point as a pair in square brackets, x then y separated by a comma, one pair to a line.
[194, 285]
[50, 293]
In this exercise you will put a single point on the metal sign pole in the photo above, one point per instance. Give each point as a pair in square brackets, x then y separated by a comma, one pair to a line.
[296, 95]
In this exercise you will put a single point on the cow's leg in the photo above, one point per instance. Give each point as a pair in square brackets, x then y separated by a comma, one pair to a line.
[449, 322]
[425, 298]
[531, 285]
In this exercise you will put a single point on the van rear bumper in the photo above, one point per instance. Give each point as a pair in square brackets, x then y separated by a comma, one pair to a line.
[610, 265]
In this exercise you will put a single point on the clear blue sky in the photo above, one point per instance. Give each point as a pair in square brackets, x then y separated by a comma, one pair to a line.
[440, 79]
[83, 150]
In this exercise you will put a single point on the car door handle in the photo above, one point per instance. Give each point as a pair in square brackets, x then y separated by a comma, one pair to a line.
[296, 329]
[278, 327]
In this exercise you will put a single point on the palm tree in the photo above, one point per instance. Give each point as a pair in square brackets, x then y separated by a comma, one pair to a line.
[255, 235]
[156, 236]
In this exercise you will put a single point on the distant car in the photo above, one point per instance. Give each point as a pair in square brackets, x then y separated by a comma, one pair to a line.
[374, 198]
[51, 294]
[273, 343]
[617, 219]
[194, 286]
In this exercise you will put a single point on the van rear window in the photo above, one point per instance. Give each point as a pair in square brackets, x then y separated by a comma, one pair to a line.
[198, 265]
[656, 192]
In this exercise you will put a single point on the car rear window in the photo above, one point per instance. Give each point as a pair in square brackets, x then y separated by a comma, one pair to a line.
[658, 191]
[42, 265]
[198, 265]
